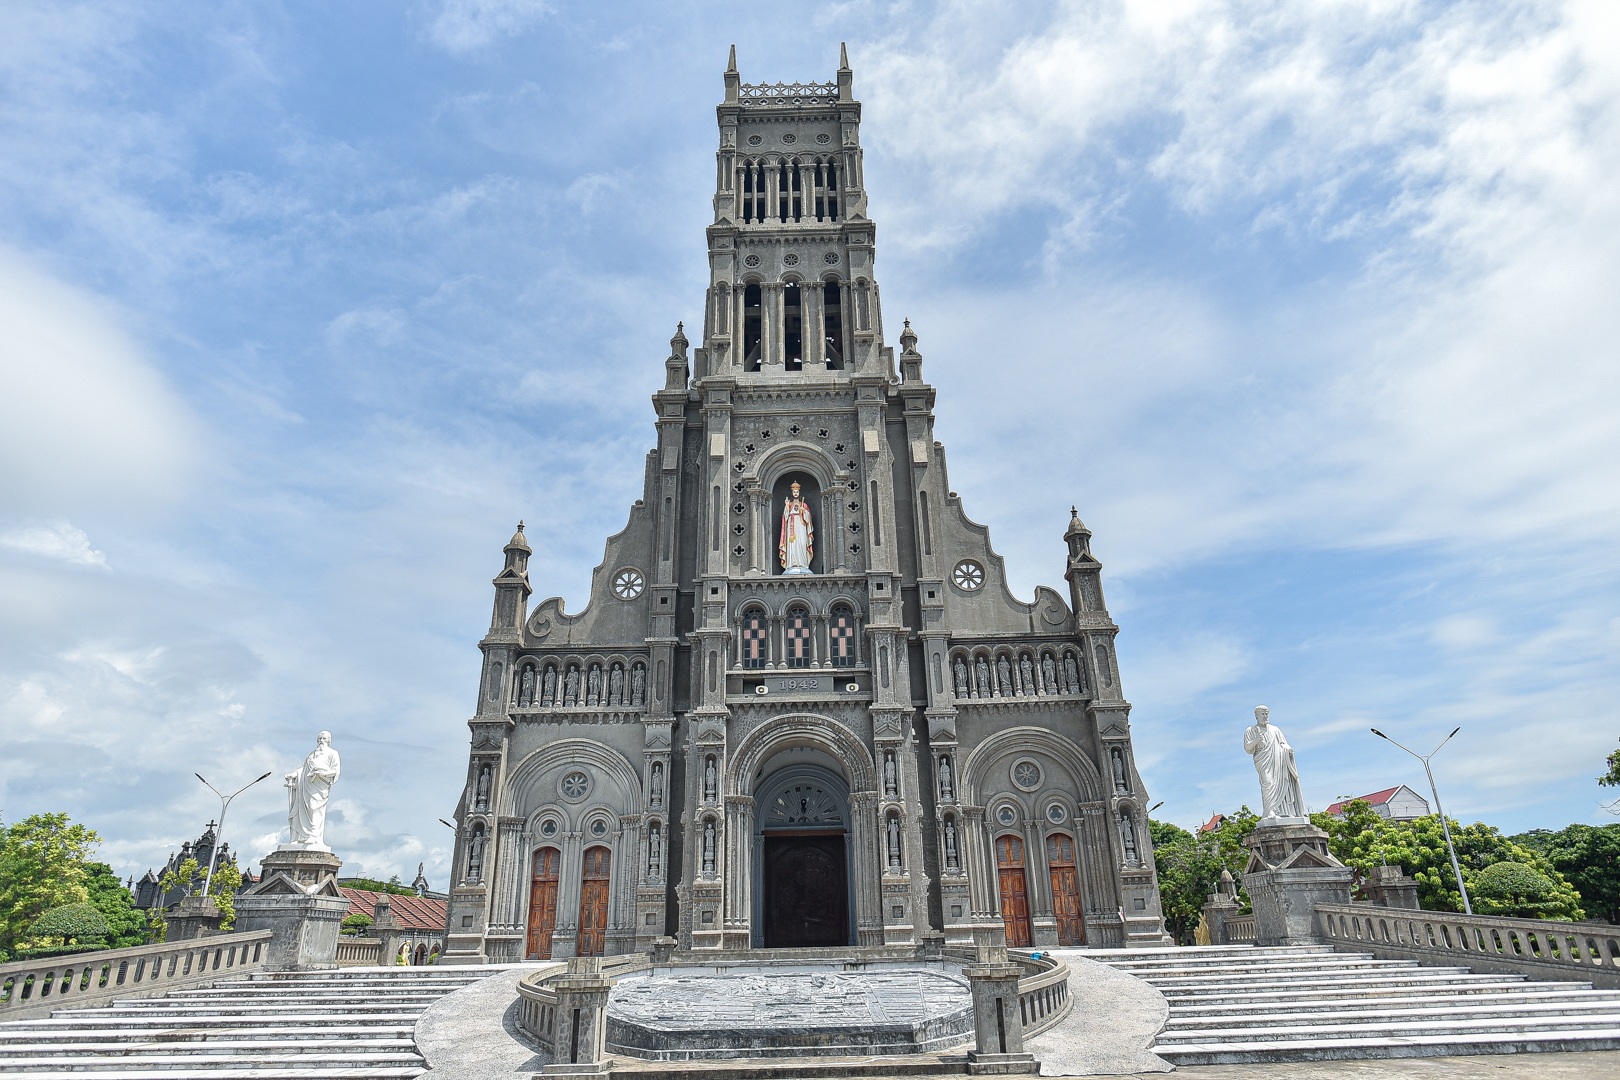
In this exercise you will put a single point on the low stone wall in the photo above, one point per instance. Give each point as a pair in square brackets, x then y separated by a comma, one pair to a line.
[1043, 995]
[33, 989]
[1535, 948]
[355, 951]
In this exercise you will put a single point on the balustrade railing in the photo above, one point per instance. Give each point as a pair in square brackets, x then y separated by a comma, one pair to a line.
[786, 93]
[1536, 947]
[1043, 998]
[30, 989]
[1240, 930]
[354, 951]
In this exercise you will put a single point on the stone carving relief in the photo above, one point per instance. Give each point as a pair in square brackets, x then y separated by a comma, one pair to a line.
[1016, 671]
[947, 790]
[657, 784]
[894, 842]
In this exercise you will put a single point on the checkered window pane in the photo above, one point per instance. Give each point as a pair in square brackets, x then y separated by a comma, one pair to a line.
[753, 640]
[798, 639]
[841, 636]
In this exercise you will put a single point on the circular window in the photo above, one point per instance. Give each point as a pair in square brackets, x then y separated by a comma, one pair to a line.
[1006, 815]
[968, 576]
[548, 827]
[750, 260]
[824, 138]
[628, 583]
[1056, 814]
[790, 138]
[755, 140]
[598, 827]
[1026, 774]
[831, 258]
[790, 259]
[574, 785]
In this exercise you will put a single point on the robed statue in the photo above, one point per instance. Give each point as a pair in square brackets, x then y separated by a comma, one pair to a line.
[1280, 794]
[798, 536]
[307, 791]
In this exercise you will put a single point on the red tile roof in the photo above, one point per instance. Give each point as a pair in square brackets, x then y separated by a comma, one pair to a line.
[411, 912]
[1212, 824]
[1377, 798]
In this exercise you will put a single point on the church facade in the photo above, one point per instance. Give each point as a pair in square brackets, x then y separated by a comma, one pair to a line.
[801, 706]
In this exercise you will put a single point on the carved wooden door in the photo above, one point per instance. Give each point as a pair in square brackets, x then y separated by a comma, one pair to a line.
[1014, 890]
[542, 904]
[1065, 889]
[593, 901]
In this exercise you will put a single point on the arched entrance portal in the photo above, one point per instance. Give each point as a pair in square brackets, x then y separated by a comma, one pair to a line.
[801, 858]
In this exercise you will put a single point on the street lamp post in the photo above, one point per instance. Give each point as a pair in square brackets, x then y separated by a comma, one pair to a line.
[1456, 867]
[219, 835]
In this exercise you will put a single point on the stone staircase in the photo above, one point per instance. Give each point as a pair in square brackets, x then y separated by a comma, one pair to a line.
[1236, 1004]
[353, 1022]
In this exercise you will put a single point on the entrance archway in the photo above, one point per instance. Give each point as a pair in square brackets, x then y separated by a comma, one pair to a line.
[801, 858]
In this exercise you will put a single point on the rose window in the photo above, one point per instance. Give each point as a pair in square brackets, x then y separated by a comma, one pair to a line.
[968, 575]
[628, 583]
[574, 785]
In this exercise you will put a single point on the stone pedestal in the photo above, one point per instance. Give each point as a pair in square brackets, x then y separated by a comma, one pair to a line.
[998, 1025]
[193, 917]
[663, 948]
[1290, 871]
[1389, 887]
[299, 901]
[579, 1041]
[386, 929]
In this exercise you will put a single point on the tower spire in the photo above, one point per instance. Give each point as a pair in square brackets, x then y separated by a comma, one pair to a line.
[731, 62]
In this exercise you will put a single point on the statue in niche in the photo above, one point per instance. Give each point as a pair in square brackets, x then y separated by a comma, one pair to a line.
[1004, 677]
[1127, 832]
[708, 848]
[945, 789]
[638, 685]
[1118, 758]
[571, 687]
[961, 678]
[481, 802]
[548, 694]
[952, 860]
[593, 685]
[308, 789]
[797, 543]
[1072, 671]
[1048, 674]
[711, 780]
[475, 855]
[1026, 672]
[894, 842]
[526, 688]
[982, 669]
[1280, 793]
[889, 778]
[658, 783]
[616, 685]
[654, 854]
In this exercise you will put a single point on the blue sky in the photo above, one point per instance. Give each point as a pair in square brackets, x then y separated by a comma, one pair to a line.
[1308, 307]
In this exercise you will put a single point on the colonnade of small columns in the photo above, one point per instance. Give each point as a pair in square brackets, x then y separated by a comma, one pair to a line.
[789, 190]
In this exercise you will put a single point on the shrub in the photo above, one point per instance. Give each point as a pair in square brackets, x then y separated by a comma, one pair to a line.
[71, 924]
[357, 923]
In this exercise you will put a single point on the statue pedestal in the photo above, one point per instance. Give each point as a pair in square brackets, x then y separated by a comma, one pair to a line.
[193, 917]
[1290, 871]
[1389, 887]
[299, 901]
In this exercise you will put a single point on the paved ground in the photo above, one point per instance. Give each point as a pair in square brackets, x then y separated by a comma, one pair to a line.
[1106, 1033]
[1602, 1065]
[472, 1034]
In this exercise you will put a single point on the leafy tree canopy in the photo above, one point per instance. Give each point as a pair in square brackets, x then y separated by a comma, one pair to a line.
[190, 878]
[392, 885]
[1612, 777]
[42, 866]
[126, 922]
[1588, 856]
[358, 923]
[70, 924]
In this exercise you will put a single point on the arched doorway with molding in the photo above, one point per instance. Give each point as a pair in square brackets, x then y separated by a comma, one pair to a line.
[802, 883]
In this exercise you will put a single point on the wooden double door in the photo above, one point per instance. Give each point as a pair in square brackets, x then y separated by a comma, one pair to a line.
[595, 886]
[1014, 882]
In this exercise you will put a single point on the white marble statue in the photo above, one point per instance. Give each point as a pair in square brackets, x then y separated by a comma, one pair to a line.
[797, 542]
[1280, 795]
[307, 791]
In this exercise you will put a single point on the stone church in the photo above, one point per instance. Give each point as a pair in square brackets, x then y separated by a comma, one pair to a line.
[801, 706]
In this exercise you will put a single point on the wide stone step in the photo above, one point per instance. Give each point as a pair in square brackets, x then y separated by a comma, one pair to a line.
[1405, 1028]
[1419, 977]
[1351, 1013]
[191, 1071]
[1206, 950]
[1325, 1001]
[1238, 961]
[110, 1033]
[60, 1062]
[1364, 1049]
[1370, 969]
[272, 993]
[195, 1044]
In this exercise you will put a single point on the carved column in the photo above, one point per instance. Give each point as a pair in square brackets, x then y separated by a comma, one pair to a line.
[739, 873]
[865, 853]
[565, 939]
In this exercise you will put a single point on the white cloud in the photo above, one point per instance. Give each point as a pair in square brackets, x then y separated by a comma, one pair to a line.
[60, 540]
[464, 26]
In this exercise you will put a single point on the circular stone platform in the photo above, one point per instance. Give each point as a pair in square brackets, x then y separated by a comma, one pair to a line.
[789, 1009]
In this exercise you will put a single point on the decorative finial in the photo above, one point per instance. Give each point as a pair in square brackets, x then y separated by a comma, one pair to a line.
[731, 62]
[843, 56]
[520, 524]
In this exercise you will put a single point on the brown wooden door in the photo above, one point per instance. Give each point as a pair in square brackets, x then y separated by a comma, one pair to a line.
[1065, 889]
[543, 903]
[593, 901]
[806, 900]
[1014, 891]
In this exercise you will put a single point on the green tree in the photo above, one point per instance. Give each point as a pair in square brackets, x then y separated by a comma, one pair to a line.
[1512, 888]
[1588, 856]
[42, 866]
[189, 878]
[358, 923]
[71, 927]
[392, 885]
[1188, 872]
[126, 922]
[1612, 777]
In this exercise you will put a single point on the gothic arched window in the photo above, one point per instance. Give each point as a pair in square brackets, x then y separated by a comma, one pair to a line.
[753, 640]
[796, 637]
[841, 635]
[751, 328]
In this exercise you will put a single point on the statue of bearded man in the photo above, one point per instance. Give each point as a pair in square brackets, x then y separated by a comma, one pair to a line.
[1280, 794]
[307, 792]
[798, 535]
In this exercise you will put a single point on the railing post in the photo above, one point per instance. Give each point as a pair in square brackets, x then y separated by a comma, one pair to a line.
[998, 1024]
[579, 1040]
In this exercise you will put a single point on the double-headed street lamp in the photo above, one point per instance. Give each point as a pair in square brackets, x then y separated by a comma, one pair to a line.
[1456, 868]
[219, 834]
